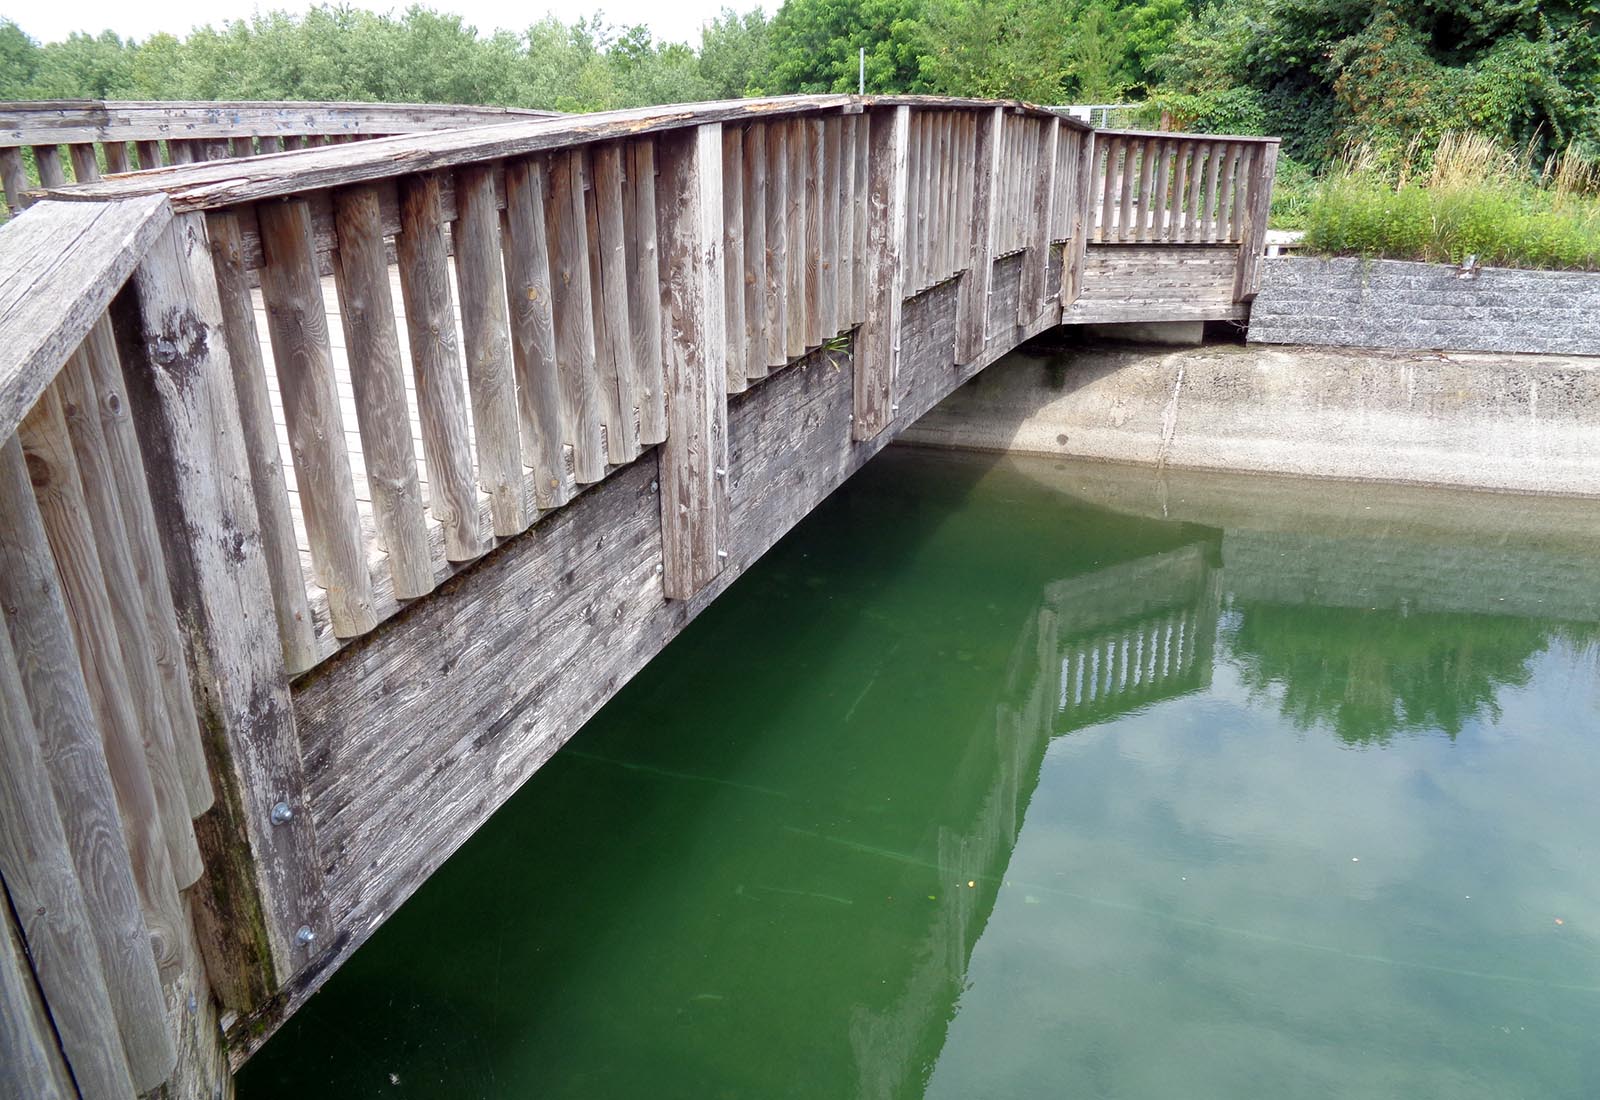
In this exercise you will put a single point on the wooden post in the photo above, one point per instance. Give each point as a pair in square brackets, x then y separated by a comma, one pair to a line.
[441, 404]
[279, 545]
[754, 156]
[694, 499]
[486, 341]
[567, 229]
[30, 1055]
[149, 153]
[377, 378]
[533, 334]
[733, 265]
[264, 879]
[13, 178]
[794, 295]
[1040, 216]
[297, 322]
[777, 244]
[972, 309]
[39, 876]
[828, 230]
[846, 310]
[1081, 217]
[878, 347]
[78, 773]
[644, 288]
[608, 275]
[47, 160]
[1253, 234]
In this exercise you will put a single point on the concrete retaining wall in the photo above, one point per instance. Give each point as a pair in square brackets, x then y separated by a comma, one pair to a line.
[1515, 423]
[1391, 304]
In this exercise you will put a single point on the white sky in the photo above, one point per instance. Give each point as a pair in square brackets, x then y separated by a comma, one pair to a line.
[669, 20]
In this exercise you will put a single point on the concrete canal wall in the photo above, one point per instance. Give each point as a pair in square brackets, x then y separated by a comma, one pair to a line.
[1479, 421]
[1351, 302]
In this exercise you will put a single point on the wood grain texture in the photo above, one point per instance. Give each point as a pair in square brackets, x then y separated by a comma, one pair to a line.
[98, 482]
[878, 343]
[297, 323]
[377, 379]
[846, 225]
[693, 460]
[14, 180]
[436, 366]
[1081, 218]
[1040, 216]
[567, 226]
[107, 395]
[486, 339]
[56, 486]
[613, 330]
[972, 303]
[777, 244]
[644, 288]
[260, 441]
[731, 220]
[1253, 229]
[59, 268]
[753, 267]
[533, 334]
[828, 229]
[38, 873]
[263, 881]
[79, 776]
[794, 294]
[30, 1054]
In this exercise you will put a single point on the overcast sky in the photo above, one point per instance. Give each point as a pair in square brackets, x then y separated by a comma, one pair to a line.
[677, 20]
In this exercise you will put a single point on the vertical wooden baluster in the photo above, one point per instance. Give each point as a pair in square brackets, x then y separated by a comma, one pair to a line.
[13, 179]
[57, 697]
[279, 545]
[85, 164]
[1041, 215]
[104, 390]
[567, 230]
[911, 247]
[1253, 231]
[1208, 199]
[533, 334]
[754, 275]
[441, 404]
[828, 231]
[777, 244]
[694, 501]
[47, 162]
[644, 289]
[1086, 201]
[1127, 185]
[846, 310]
[858, 294]
[149, 154]
[241, 147]
[812, 128]
[297, 323]
[98, 484]
[1241, 186]
[116, 156]
[1140, 229]
[613, 339]
[271, 143]
[486, 340]
[1161, 204]
[66, 522]
[878, 347]
[1229, 157]
[945, 228]
[1180, 193]
[377, 377]
[293, 141]
[1107, 151]
[972, 308]
[794, 301]
[733, 268]
[44, 892]
[929, 208]
[180, 152]
[30, 1051]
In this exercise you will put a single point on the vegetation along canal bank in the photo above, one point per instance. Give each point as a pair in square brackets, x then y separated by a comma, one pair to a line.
[1036, 778]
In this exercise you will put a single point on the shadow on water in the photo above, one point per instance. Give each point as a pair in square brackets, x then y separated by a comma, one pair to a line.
[906, 812]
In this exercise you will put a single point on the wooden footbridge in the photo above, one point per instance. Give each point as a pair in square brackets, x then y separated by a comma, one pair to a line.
[341, 484]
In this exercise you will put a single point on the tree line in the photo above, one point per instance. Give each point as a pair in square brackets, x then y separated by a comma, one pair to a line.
[1321, 73]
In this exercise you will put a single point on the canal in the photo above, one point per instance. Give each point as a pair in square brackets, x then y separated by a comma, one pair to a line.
[1016, 778]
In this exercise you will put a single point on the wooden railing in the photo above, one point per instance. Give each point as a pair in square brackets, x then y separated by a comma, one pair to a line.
[220, 464]
[111, 136]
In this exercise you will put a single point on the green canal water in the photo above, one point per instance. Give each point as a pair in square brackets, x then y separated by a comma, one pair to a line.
[1003, 778]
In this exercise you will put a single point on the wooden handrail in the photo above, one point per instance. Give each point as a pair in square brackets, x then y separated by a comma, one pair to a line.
[59, 269]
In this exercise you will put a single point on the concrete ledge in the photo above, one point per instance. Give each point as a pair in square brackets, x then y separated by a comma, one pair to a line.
[1351, 302]
[1511, 423]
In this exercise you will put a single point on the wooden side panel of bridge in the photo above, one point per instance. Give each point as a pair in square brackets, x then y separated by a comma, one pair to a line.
[340, 486]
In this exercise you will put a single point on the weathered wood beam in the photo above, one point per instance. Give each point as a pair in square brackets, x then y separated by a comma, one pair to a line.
[879, 340]
[972, 303]
[694, 498]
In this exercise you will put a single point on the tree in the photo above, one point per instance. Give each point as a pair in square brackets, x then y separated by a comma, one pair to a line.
[815, 45]
[736, 53]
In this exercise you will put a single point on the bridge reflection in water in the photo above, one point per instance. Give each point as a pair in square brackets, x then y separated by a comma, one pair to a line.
[781, 845]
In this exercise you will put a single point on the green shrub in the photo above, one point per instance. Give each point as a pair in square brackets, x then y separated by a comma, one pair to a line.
[1473, 199]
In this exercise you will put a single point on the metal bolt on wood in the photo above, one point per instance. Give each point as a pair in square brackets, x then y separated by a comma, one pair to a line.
[282, 814]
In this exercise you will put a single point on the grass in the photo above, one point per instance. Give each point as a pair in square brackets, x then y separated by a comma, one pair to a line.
[1468, 197]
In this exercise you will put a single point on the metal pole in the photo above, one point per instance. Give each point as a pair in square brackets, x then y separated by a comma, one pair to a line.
[861, 79]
